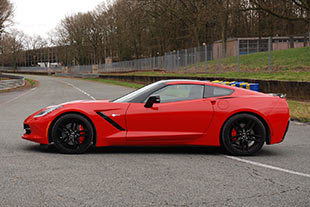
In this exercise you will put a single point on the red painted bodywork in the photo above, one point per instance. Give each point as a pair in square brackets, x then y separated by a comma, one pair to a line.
[192, 122]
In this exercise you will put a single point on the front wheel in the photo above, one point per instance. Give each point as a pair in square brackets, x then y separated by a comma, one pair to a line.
[243, 134]
[72, 134]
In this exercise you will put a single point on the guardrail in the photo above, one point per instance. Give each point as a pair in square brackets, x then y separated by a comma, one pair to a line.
[12, 82]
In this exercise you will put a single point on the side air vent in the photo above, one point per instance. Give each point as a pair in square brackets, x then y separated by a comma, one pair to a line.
[111, 121]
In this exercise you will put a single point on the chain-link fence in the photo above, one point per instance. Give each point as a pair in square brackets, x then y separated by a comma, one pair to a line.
[206, 58]
[209, 58]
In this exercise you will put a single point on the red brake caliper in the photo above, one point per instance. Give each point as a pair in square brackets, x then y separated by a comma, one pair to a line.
[82, 137]
[234, 133]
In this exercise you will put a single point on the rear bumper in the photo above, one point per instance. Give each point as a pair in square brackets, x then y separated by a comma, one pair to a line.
[288, 125]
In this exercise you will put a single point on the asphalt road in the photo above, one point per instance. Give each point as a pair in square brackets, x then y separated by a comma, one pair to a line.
[116, 176]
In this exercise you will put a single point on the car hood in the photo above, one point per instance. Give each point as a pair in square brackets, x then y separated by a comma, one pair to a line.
[84, 102]
[90, 106]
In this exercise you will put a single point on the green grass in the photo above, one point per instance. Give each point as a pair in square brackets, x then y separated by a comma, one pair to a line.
[115, 82]
[299, 110]
[286, 60]
[32, 83]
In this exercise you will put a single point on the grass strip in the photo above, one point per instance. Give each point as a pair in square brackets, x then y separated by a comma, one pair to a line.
[116, 82]
[32, 82]
[299, 110]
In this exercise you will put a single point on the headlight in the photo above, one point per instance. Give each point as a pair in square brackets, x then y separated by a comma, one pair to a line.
[47, 111]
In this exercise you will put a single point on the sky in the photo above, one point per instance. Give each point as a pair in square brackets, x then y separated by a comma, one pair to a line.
[39, 17]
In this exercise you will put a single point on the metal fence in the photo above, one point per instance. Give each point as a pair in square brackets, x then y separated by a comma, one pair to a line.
[171, 61]
[197, 59]
[81, 69]
[190, 60]
[33, 69]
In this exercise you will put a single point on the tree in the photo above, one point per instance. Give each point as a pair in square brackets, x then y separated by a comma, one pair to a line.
[34, 42]
[12, 47]
[129, 29]
[291, 11]
[298, 9]
[6, 13]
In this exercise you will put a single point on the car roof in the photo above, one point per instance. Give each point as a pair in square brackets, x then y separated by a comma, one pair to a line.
[183, 81]
[205, 82]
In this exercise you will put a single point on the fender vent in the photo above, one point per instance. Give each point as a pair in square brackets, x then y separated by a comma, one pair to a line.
[111, 121]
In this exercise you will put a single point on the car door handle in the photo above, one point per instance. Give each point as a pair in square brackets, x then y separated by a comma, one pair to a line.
[115, 115]
[213, 102]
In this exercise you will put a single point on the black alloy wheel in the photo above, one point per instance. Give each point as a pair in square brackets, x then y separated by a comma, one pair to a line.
[72, 134]
[243, 134]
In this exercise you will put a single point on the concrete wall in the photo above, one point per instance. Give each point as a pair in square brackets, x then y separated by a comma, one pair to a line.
[12, 82]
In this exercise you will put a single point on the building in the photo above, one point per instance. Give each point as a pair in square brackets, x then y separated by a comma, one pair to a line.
[255, 44]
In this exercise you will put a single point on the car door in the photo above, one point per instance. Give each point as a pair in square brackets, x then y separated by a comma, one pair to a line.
[182, 115]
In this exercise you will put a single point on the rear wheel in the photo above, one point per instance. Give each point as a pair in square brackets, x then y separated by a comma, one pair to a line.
[243, 134]
[72, 134]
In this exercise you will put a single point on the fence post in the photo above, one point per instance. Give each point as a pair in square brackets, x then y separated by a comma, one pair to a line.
[175, 61]
[165, 61]
[238, 54]
[220, 56]
[170, 61]
[206, 56]
[269, 51]
[178, 60]
[185, 61]
[195, 59]
[257, 45]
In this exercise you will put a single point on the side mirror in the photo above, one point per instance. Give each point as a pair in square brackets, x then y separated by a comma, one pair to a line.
[151, 100]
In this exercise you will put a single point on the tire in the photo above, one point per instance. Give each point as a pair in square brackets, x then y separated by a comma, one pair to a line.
[243, 134]
[72, 134]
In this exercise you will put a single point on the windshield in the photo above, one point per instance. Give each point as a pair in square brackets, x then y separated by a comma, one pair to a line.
[133, 95]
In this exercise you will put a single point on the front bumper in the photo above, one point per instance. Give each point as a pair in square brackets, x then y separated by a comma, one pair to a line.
[36, 130]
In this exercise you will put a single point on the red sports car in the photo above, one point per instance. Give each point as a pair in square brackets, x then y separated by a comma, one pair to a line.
[166, 113]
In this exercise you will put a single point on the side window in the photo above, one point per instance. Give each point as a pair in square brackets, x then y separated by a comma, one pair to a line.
[182, 92]
[213, 91]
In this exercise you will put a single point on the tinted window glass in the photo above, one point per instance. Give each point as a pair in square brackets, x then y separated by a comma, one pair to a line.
[172, 93]
[139, 95]
[213, 91]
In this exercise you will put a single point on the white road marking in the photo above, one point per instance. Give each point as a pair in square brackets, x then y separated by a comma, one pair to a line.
[9, 101]
[73, 86]
[268, 166]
